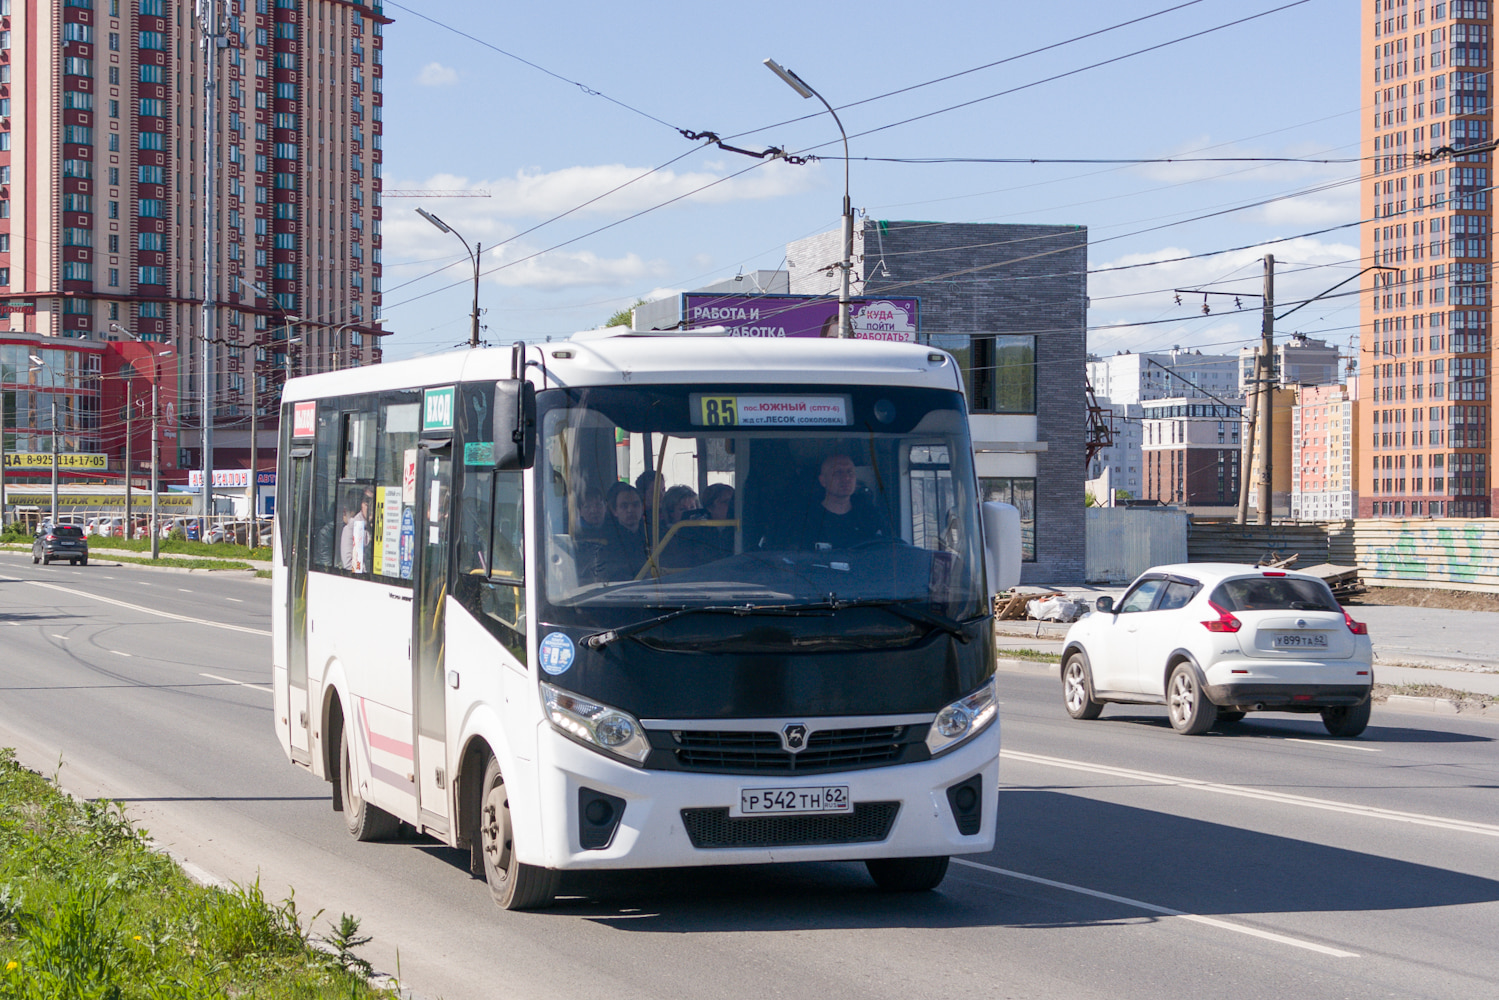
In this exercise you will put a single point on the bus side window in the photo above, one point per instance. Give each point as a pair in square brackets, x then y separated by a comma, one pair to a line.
[508, 546]
[326, 522]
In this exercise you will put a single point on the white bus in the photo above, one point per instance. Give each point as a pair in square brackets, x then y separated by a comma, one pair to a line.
[795, 663]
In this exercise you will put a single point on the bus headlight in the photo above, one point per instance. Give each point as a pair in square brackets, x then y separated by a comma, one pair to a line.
[963, 719]
[595, 725]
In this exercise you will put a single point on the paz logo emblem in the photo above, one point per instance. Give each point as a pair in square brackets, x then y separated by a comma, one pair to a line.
[794, 737]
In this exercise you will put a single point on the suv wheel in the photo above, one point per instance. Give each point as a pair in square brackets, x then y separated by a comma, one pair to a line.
[1347, 721]
[1077, 688]
[1191, 712]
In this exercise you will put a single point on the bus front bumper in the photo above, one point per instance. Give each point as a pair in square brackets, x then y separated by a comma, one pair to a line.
[664, 819]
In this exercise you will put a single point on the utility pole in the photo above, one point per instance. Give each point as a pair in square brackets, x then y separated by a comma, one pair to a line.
[208, 25]
[1266, 368]
[155, 459]
[54, 461]
[129, 412]
[1246, 447]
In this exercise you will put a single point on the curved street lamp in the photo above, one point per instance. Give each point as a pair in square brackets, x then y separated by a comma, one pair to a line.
[802, 87]
[474, 253]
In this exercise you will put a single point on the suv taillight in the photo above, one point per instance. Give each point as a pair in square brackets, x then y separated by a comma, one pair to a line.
[1357, 628]
[1225, 622]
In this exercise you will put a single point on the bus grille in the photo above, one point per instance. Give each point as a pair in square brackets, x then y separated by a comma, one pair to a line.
[761, 753]
[869, 823]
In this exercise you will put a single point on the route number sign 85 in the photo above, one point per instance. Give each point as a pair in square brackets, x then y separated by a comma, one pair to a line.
[718, 411]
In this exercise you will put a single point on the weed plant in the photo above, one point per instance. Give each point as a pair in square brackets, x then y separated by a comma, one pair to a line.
[88, 911]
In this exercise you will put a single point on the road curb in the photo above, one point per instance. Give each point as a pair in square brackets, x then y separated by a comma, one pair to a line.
[1440, 706]
[1014, 666]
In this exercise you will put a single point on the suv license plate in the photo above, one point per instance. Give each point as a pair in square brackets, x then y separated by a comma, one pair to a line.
[1300, 640]
[772, 801]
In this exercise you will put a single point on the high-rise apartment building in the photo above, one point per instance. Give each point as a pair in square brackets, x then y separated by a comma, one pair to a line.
[107, 222]
[1322, 483]
[1423, 444]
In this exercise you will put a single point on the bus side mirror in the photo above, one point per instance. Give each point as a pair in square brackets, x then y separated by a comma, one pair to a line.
[1001, 545]
[514, 425]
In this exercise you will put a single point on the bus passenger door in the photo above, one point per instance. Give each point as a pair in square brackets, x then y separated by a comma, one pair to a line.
[297, 508]
[428, 667]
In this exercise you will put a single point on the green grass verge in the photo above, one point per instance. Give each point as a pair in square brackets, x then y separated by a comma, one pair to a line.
[174, 561]
[1029, 654]
[89, 910]
[182, 548]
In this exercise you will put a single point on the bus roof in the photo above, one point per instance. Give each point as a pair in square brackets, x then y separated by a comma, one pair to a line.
[628, 357]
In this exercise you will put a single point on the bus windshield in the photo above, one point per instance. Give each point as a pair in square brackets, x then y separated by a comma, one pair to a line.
[755, 497]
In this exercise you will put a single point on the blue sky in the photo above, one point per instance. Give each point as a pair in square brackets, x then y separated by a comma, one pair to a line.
[460, 115]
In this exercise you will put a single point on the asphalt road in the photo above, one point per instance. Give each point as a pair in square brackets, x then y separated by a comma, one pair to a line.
[1265, 861]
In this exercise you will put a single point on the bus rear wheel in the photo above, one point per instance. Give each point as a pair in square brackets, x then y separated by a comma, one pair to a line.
[514, 885]
[907, 874]
[365, 822]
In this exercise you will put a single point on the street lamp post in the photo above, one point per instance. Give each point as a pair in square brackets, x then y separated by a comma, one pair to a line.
[796, 83]
[154, 527]
[476, 252]
[37, 364]
[287, 322]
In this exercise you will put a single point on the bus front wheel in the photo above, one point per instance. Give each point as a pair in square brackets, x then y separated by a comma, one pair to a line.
[365, 822]
[907, 874]
[514, 885]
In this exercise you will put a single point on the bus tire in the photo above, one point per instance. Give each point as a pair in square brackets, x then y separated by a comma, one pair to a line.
[514, 886]
[907, 874]
[366, 822]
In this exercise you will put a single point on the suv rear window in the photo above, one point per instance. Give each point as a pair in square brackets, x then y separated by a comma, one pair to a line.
[1258, 593]
[68, 531]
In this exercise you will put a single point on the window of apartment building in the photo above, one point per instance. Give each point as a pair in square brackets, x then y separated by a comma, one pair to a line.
[77, 100]
[4, 275]
[114, 277]
[999, 372]
[4, 242]
[153, 40]
[151, 276]
[114, 243]
[1021, 494]
[150, 73]
[114, 177]
[152, 140]
[77, 270]
[150, 175]
[114, 210]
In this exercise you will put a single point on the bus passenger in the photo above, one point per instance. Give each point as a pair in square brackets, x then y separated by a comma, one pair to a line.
[593, 515]
[351, 542]
[649, 485]
[625, 545]
[675, 504]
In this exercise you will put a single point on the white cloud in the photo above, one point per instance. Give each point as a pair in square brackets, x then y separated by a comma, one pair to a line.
[437, 75]
[532, 194]
[582, 268]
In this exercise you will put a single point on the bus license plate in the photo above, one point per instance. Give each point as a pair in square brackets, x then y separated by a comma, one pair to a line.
[771, 801]
[1300, 640]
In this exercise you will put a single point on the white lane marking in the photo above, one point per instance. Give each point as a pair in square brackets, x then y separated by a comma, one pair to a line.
[236, 600]
[252, 687]
[1195, 918]
[150, 611]
[56, 636]
[106, 576]
[118, 653]
[183, 590]
[1284, 798]
[1330, 745]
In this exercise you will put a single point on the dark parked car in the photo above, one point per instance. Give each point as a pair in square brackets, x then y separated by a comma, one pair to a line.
[64, 541]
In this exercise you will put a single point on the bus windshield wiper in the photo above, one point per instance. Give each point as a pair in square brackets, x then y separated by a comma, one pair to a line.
[900, 609]
[599, 640]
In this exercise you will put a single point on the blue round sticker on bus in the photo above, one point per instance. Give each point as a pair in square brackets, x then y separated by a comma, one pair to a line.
[556, 653]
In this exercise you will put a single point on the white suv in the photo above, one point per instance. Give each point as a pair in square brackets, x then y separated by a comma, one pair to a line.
[1214, 641]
